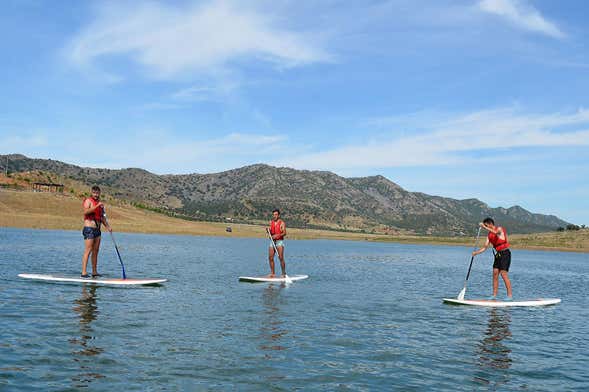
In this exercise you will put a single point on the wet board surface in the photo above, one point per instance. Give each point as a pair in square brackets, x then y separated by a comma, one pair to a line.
[97, 281]
[257, 279]
[503, 304]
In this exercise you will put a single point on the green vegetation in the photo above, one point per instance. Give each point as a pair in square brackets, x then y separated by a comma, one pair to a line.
[570, 227]
[308, 199]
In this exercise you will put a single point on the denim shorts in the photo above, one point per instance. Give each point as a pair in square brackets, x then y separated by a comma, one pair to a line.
[90, 233]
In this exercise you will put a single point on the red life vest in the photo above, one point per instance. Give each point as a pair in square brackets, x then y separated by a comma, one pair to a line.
[275, 229]
[498, 244]
[96, 216]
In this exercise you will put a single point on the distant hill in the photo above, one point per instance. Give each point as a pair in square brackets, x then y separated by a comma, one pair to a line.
[315, 199]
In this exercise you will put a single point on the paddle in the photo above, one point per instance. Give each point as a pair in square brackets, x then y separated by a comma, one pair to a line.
[461, 294]
[287, 279]
[116, 247]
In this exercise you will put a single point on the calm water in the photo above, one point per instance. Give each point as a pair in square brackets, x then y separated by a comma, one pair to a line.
[370, 317]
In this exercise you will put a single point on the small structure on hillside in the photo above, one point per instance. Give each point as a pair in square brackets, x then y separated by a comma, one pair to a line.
[47, 187]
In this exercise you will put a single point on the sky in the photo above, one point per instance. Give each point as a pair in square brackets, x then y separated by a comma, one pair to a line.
[484, 99]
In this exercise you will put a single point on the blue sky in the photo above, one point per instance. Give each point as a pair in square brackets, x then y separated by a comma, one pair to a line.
[482, 98]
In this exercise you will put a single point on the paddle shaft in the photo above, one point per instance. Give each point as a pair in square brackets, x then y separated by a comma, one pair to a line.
[472, 258]
[272, 239]
[119, 255]
[112, 237]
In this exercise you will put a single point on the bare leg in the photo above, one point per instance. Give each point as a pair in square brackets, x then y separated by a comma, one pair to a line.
[271, 261]
[495, 281]
[88, 246]
[281, 257]
[95, 248]
[505, 276]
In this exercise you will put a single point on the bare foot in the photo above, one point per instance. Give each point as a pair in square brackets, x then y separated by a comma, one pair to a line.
[270, 276]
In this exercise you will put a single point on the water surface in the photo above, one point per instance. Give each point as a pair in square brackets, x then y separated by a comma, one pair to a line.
[370, 317]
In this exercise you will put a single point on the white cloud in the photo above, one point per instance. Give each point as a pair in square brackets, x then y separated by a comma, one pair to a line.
[447, 141]
[10, 144]
[200, 93]
[165, 152]
[159, 151]
[170, 41]
[522, 15]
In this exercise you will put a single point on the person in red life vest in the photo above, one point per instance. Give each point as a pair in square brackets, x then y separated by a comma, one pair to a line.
[93, 219]
[278, 232]
[498, 238]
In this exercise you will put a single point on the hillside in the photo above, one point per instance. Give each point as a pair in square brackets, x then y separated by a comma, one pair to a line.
[43, 210]
[309, 199]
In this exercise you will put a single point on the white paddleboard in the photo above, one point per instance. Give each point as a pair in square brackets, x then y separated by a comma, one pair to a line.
[99, 281]
[502, 304]
[254, 279]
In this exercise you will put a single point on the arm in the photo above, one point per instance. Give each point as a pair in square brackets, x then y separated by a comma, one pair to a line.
[498, 231]
[484, 248]
[104, 221]
[88, 209]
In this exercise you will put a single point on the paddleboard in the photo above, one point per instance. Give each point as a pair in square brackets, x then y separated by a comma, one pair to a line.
[502, 304]
[98, 281]
[254, 279]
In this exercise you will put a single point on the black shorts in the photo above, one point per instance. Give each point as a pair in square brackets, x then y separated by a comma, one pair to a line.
[502, 260]
[90, 233]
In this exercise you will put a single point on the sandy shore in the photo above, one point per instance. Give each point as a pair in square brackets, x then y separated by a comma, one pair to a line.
[56, 211]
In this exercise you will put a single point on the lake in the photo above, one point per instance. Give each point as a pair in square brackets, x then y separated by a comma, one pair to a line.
[370, 317]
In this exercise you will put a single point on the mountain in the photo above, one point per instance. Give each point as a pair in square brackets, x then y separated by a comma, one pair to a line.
[306, 198]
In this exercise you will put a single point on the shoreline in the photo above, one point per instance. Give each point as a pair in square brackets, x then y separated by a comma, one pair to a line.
[301, 234]
[50, 211]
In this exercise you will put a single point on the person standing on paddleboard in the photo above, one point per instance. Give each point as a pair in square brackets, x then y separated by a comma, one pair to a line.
[93, 220]
[498, 238]
[277, 232]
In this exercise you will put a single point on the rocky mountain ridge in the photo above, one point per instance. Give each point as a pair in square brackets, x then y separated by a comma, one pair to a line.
[307, 198]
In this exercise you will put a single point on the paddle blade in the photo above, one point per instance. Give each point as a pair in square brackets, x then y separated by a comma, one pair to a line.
[287, 279]
[461, 294]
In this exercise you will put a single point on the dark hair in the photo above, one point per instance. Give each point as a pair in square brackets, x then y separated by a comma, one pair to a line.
[276, 210]
[489, 220]
[95, 188]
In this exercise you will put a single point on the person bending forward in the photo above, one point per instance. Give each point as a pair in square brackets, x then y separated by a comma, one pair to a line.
[498, 238]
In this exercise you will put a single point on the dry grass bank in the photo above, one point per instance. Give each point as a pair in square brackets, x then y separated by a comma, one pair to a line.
[57, 211]
[40, 210]
[569, 241]
[576, 241]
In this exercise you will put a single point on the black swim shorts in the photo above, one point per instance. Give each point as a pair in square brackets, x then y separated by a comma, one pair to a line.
[90, 233]
[502, 260]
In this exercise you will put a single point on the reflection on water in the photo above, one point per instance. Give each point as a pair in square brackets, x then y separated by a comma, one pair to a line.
[273, 330]
[492, 352]
[87, 309]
